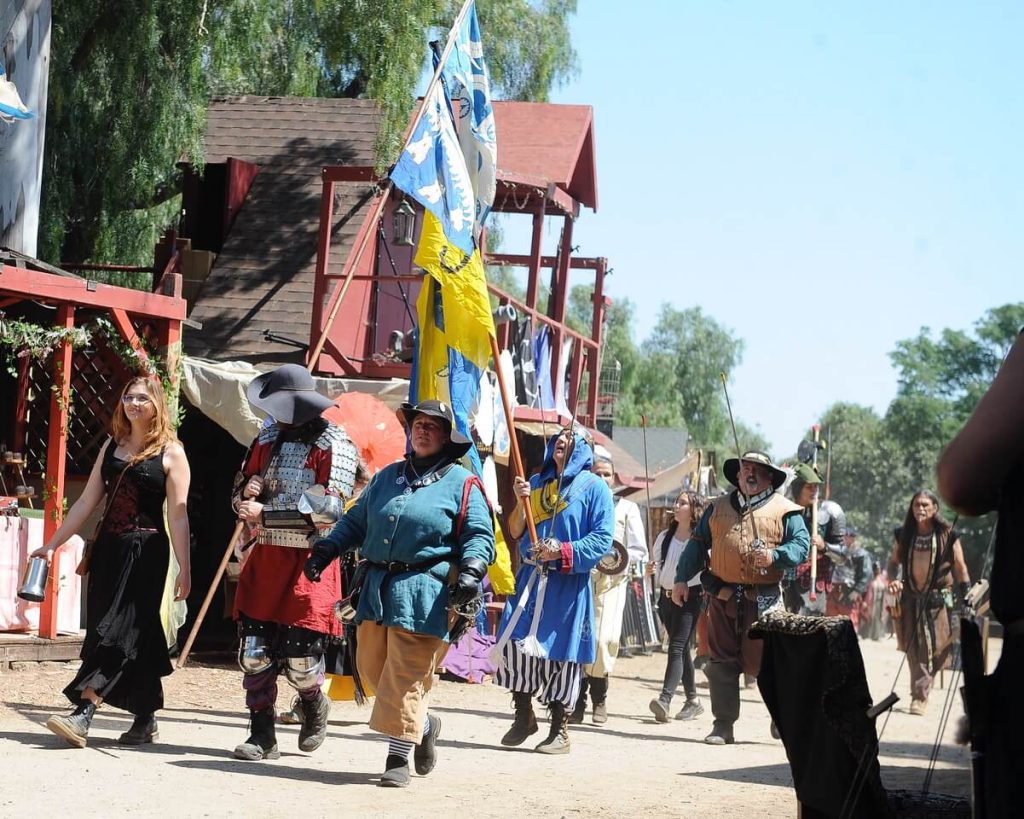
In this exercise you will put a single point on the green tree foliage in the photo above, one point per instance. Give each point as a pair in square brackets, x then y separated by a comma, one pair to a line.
[130, 82]
[878, 463]
[528, 46]
[679, 373]
[673, 379]
[867, 475]
[126, 100]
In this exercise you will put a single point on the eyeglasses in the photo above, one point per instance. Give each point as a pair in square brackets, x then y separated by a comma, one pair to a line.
[135, 399]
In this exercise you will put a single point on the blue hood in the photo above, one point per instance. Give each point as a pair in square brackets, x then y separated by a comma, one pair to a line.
[580, 459]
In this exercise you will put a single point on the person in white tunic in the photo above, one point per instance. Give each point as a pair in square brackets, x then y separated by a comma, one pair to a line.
[610, 592]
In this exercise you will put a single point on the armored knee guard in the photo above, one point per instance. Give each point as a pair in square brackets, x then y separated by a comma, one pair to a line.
[254, 654]
[304, 673]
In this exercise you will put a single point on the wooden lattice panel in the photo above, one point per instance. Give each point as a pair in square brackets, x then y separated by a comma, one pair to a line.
[97, 376]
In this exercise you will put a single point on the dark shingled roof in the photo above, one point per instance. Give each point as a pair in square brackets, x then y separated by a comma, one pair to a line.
[263, 276]
[665, 446]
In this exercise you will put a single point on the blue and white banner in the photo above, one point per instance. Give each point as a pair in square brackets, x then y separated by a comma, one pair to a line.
[469, 86]
[432, 170]
[11, 106]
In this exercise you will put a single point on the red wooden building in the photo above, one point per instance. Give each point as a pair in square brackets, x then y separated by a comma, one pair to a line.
[294, 179]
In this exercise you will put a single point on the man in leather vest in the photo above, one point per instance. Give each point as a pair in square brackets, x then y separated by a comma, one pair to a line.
[747, 539]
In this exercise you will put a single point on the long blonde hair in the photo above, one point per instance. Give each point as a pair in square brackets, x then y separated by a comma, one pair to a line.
[160, 432]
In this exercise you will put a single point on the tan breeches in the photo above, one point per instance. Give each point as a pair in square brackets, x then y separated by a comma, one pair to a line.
[400, 666]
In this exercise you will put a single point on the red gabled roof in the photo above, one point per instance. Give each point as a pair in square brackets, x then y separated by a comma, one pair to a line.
[541, 143]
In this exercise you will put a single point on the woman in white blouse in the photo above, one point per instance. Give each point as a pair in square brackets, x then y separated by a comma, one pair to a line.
[679, 621]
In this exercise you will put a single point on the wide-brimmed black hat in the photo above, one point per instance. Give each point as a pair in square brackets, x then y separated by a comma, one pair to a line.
[458, 444]
[288, 394]
[731, 468]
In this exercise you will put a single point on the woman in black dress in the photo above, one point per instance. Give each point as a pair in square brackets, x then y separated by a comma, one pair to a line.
[125, 651]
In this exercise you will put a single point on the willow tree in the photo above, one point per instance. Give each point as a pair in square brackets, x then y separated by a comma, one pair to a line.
[131, 79]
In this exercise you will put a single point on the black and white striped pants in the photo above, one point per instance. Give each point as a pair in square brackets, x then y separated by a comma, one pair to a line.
[549, 680]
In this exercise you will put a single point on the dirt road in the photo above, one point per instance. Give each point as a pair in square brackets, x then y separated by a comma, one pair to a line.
[631, 766]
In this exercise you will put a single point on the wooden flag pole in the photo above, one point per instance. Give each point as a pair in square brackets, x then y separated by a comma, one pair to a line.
[513, 445]
[388, 185]
[378, 210]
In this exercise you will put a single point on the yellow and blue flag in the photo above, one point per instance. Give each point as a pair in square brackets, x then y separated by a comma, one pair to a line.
[448, 165]
[453, 345]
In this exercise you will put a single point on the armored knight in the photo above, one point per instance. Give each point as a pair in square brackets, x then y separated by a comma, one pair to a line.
[829, 548]
[753, 535]
[299, 464]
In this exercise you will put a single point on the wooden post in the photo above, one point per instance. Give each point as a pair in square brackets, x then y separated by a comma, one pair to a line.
[183, 657]
[594, 361]
[536, 254]
[56, 455]
[513, 443]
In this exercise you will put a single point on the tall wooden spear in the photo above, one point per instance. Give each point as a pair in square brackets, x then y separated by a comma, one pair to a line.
[813, 595]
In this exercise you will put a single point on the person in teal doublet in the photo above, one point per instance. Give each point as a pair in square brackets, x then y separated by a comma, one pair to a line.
[418, 524]
[547, 628]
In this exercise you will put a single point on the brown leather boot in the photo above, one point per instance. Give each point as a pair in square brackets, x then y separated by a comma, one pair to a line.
[525, 722]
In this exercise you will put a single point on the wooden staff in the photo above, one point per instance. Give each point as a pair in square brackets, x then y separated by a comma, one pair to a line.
[828, 464]
[513, 444]
[739, 457]
[647, 484]
[183, 657]
[813, 596]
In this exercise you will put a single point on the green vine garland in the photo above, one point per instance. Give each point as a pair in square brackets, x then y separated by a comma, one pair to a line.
[28, 339]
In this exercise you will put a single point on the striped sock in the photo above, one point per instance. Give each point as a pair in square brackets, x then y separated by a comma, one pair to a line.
[426, 726]
[399, 747]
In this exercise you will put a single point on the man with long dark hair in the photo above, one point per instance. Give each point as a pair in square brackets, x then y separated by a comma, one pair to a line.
[926, 558]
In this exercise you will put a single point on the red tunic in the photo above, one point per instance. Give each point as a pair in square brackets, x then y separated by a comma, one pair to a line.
[272, 586]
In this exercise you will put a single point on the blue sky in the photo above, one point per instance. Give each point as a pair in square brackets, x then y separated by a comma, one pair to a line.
[823, 179]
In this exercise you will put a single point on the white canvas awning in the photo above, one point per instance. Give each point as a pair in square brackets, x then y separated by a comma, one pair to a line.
[669, 482]
[217, 390]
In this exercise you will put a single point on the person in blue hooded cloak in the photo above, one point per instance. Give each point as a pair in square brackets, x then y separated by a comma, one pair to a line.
[547, 628]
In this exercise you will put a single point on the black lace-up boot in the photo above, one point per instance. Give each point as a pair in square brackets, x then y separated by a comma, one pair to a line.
[74, 728]
[262, 741]
[558, 737]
